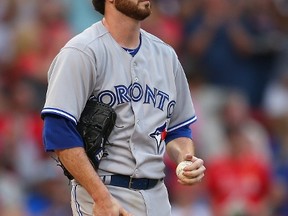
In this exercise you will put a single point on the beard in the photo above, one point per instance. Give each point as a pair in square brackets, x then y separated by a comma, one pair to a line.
[132, 9]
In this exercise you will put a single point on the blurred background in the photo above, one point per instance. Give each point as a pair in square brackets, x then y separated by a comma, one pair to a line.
[234, 53]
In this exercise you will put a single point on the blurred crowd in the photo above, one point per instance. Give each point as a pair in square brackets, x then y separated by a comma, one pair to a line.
[234, 55]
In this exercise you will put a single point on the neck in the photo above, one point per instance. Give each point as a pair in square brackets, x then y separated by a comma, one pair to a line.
[124, 30]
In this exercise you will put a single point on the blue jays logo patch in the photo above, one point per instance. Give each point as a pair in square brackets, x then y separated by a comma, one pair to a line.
[159, 135]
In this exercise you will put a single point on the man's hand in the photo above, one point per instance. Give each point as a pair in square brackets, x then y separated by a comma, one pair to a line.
[182, 149]
[193, 173]
[110, 207]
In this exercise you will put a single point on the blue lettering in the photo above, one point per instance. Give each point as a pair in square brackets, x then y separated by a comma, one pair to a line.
[136, 92]
[163, 97]
[107, 97]
[170, 108]
[122, 94]
[150, 95]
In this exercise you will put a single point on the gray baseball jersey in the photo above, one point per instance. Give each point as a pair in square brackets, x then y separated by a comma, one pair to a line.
[149, 93]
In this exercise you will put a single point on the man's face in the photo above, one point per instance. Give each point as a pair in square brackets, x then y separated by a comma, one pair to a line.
[136, 9]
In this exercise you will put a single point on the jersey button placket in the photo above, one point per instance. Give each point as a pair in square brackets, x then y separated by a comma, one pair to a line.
[134, 77]
[134, 105]
[136, 173]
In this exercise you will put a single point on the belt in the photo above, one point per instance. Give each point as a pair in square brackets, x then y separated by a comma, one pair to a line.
[131, 183]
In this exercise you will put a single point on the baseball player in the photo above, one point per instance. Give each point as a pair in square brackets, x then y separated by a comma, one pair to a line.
[141, 78]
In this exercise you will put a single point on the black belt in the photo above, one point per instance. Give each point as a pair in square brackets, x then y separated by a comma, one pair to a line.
[132, 183]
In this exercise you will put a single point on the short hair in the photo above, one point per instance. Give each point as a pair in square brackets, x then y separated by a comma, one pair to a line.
[99, 5]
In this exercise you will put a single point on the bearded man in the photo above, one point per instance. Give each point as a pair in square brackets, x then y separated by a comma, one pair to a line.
[117, 63]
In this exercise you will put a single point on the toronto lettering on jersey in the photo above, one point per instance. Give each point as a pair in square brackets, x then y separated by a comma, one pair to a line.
[135, 92]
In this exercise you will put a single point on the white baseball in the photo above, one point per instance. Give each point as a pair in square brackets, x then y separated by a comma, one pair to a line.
[180, 167]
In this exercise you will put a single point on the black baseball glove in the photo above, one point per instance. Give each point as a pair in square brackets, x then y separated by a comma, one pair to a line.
[95, 125]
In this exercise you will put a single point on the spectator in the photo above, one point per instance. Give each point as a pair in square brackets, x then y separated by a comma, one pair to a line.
[238, 182]
[222, 38]
[236, 112]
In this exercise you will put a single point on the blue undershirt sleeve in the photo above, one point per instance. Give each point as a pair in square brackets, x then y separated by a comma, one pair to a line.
[60, 133]
[184, 131]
